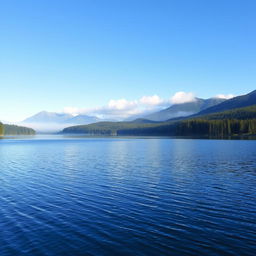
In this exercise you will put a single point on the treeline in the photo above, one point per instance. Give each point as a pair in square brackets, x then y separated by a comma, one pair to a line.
[6, 129]
[197, 127]
[239, 113]
[218, 128]
[234, 122]
[105, 128]
[1, 129]
[191, 127]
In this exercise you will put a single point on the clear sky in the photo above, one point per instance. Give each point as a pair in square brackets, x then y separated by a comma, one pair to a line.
[69, 53]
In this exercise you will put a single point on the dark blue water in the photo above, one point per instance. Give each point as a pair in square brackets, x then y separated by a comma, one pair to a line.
[127, 197]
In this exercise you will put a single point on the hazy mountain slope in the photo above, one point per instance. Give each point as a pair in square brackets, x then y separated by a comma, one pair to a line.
[184, 109]
[82, 119]
[143, 121]
[52, 122]
[237, 102]
[60, 118]
[48, 117]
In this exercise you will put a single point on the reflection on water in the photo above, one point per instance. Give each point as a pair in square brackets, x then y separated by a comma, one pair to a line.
[107, 196]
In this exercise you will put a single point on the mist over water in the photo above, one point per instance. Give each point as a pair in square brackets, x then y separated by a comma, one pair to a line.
[117, 196]
[46, 127]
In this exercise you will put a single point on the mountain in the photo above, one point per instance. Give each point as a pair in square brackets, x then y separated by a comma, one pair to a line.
[237, 102]
[232, 114]
[240, 121]
[143, 121]
[52, 122]
[184, 109]
[48, 117]
[82, 119]
[51, 117]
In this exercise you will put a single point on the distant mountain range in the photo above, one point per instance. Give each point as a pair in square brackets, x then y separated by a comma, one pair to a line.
[237, 102]
[81, 119]
[60, 118]
[48, 117]
[233, 117]
[184, 109]
[50, 121]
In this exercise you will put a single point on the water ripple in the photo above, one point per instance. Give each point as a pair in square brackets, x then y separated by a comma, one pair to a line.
[127, 197]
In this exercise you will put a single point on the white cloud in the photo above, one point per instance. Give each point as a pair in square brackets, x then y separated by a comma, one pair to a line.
[225, 96]
[71, 110]
[151, 100]
[117, 109]
[121, 104]
[122, 108]
[182, 97]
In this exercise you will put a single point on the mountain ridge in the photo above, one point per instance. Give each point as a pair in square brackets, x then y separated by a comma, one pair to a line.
[236, 102]
[45, 116]
[223, 123]
[183, 109]
[45, 121]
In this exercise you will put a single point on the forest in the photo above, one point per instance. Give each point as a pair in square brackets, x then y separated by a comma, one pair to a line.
[234, 122]
[6, 129]
[1, 129]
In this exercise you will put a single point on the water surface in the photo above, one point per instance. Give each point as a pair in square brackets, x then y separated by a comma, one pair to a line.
[118, 196]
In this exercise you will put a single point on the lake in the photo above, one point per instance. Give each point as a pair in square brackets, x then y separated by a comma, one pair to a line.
[127, 196]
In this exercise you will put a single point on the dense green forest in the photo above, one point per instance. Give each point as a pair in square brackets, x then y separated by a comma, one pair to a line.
[1, 129]
[238, 113]
[197, 127]
[6, 129]
[240, 121]
[225, 127]
[106, 128]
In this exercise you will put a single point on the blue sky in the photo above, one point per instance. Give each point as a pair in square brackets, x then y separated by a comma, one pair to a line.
[82, 54]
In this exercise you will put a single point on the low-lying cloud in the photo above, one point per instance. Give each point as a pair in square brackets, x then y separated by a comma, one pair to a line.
[225, 96]
[152, 100]
[182, 97]
[122, 108]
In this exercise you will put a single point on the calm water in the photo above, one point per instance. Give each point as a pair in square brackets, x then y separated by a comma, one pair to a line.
[108, 196]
